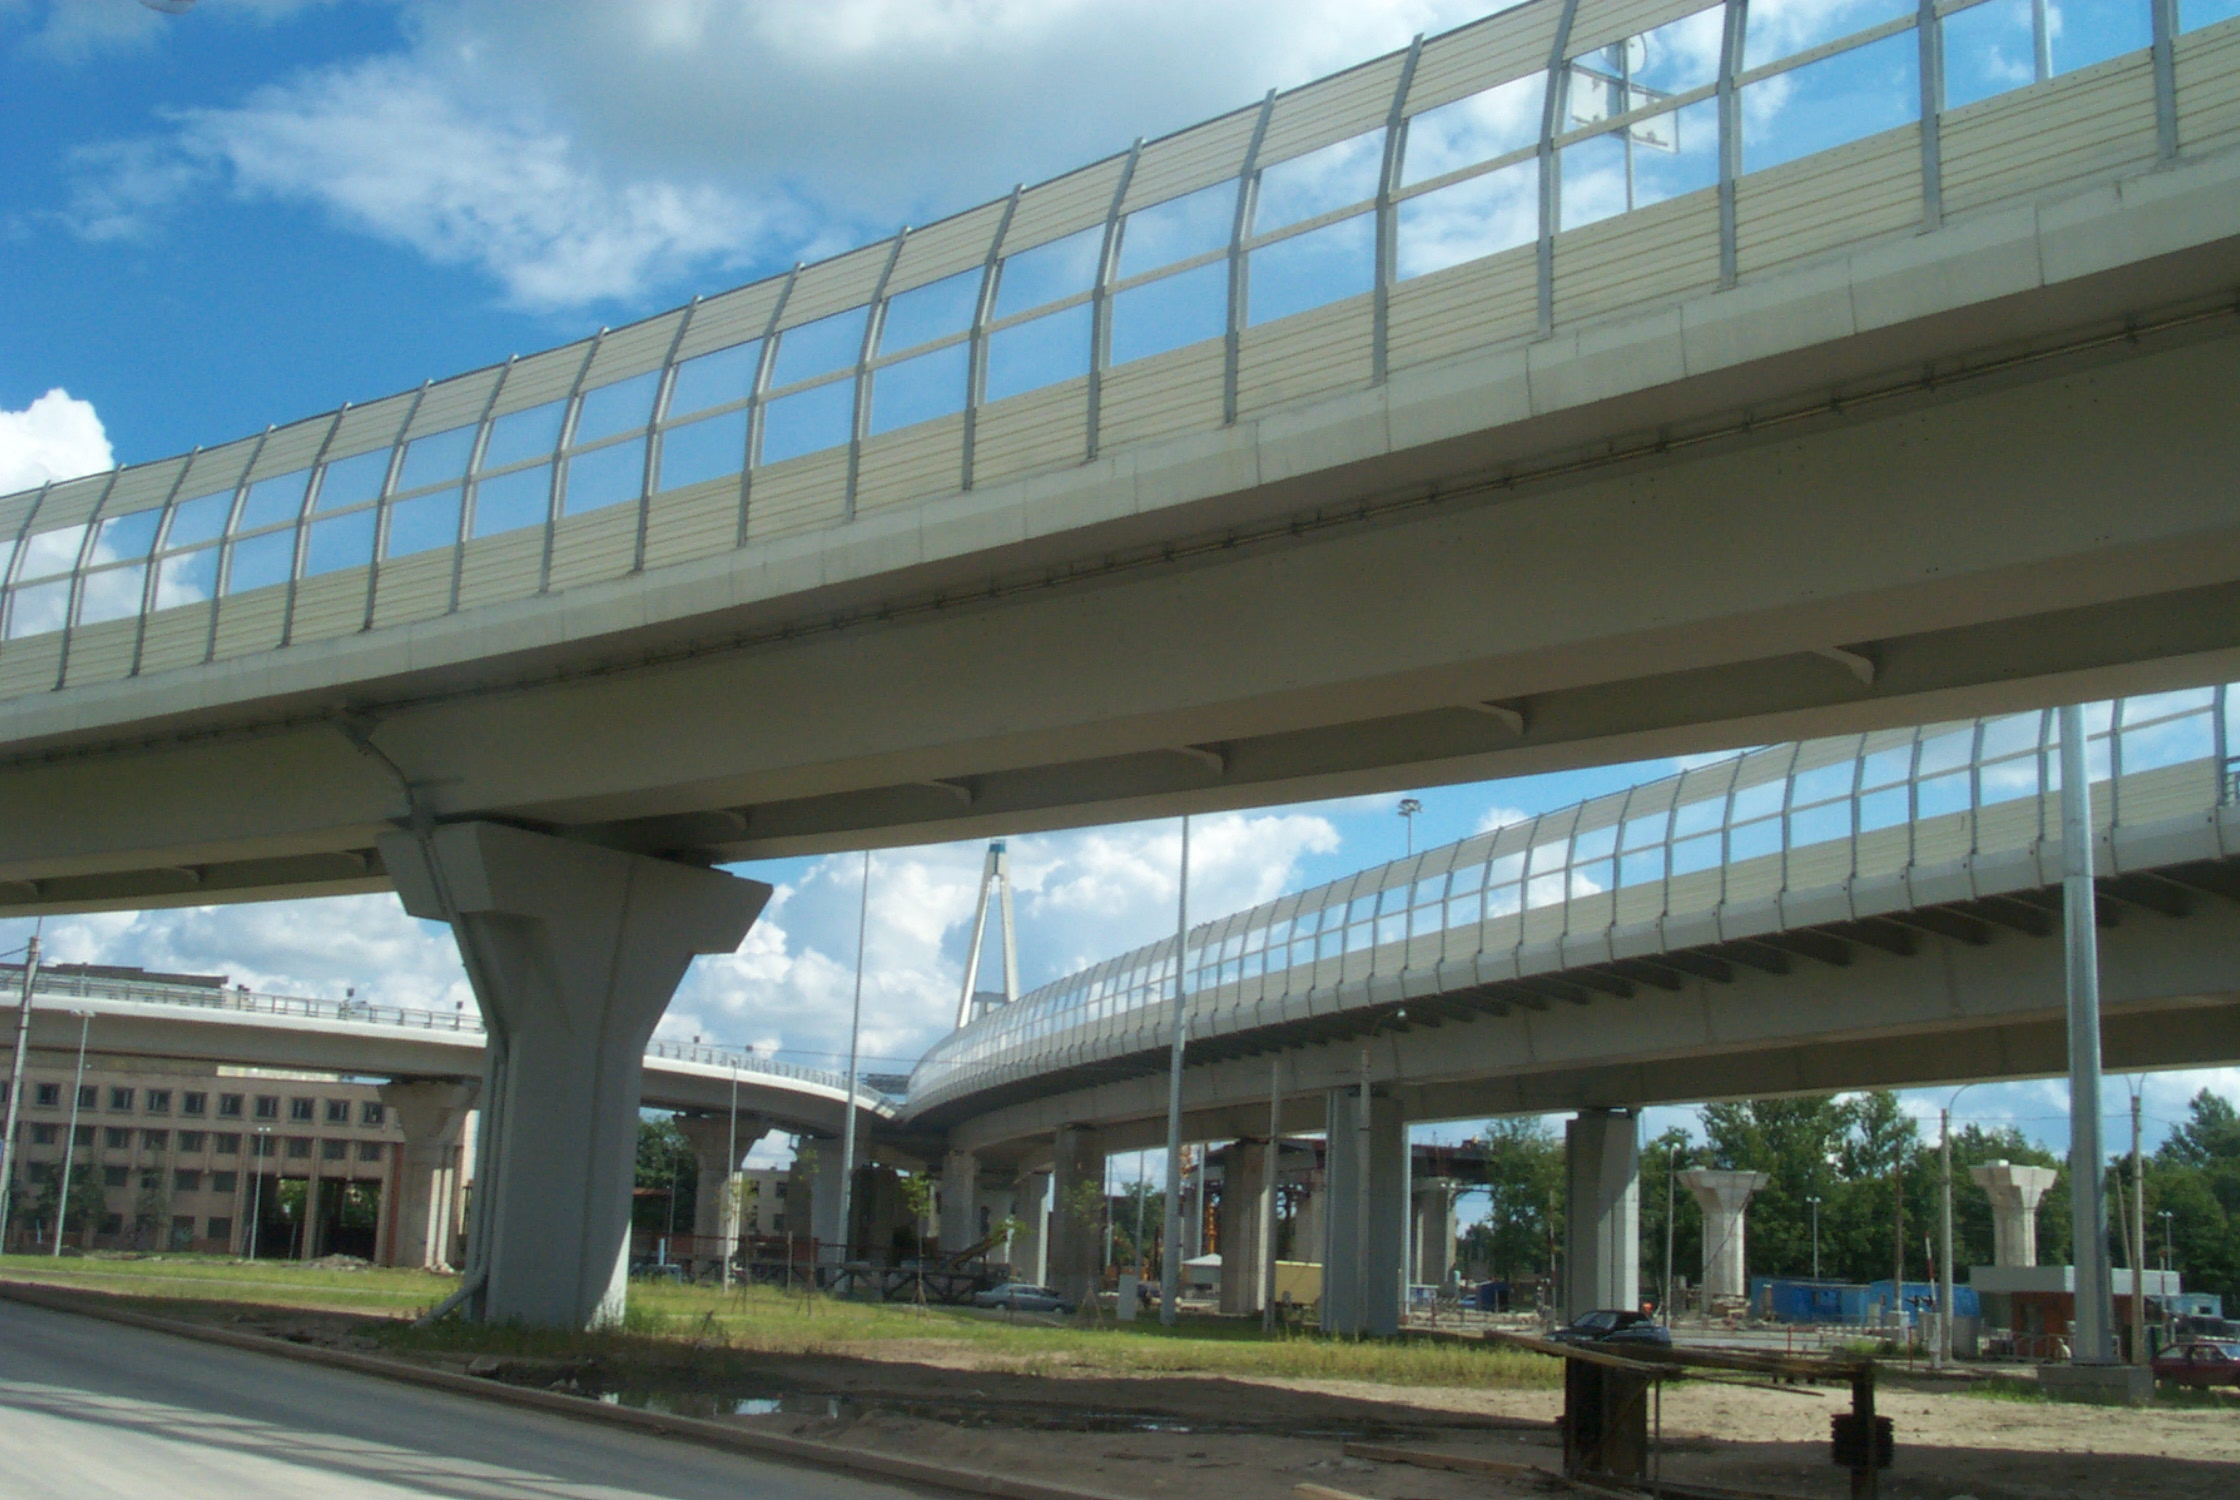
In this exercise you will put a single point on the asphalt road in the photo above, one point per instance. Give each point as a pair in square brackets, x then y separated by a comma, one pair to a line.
[91, 1410]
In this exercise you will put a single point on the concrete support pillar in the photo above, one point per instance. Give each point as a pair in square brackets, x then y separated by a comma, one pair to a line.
[1077, 1214]
[1434, 1229]
[960, 1197]
[715, 1201]
[307, 1232]
[420, 1218]
[1244, 1279]
[1723, 1196]
[2014, 1193]
[1030, 1206]
[1363, 1297]
[824, 1204]
[1307, 1238]
[1602, 1214]
[574, 951]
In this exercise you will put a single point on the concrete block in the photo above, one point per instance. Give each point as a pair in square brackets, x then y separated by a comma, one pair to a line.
[1196, 467]
[1309, 439]
[2152, 213]
[2098, 1385]
[1791, 310]
[1607, 359]
[1968, 261]
[1458, 397]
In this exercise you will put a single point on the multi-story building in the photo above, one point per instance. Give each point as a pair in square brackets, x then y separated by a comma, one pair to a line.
[196, 1156]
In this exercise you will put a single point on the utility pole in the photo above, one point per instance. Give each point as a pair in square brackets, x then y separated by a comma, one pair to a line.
[2136, 1233]
[1898, 1233]
[1944, 1269]
[1671, 1175]
[1814, 1203]
[15, 1086]
[1170, 1251]
[727, 1212]
[855, 1035]
[2093, 1343]
[1267, 1246]
[70, 1142]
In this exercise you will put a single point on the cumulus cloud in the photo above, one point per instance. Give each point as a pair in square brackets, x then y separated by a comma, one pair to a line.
[75, 31]
[580, 151]
[57, 436]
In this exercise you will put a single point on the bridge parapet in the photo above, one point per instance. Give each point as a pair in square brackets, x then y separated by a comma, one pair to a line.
[1559, 163]
[1848, 830]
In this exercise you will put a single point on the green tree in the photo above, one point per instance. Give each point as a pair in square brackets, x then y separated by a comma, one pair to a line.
[1661, 1159]
[668, 1178]
[89, 1200]
[1524, 1187]
[2195, 1177]
[1798, 1144]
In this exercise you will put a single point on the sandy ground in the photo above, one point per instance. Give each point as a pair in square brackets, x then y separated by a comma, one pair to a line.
[1250, 1439]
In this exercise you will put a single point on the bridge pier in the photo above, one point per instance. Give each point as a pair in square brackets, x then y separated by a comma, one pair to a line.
[1724, 1198]
[1365, 1221]
[1434, 1229]
[824, 1204]
[1077, 1213]
[1602, 1215]
[715, 1204]
[960, 1198]
[1244, 1274]
[573, 951]
[420, 1214]
[2014, 1192]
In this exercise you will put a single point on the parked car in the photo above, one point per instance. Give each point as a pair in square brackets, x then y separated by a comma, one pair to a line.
[1614, 1325]
[2200, 1362]
[1022, 1296]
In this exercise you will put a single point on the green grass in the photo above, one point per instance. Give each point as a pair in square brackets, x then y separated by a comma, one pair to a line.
[765, 1320]
[274, 1283]
[2002, 1388]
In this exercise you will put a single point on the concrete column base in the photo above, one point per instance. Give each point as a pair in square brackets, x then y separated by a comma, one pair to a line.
[2098, 1385]
[1243, 1275]
[421, 1219]
[574, 951]
[1435, 1229]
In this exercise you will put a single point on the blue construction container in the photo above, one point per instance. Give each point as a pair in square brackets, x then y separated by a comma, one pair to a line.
[1802, 1300]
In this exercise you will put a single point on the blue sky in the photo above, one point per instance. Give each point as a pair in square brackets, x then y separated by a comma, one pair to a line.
[264, 208]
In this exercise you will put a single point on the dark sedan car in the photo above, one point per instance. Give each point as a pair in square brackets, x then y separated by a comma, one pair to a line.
[2200, 1362]
[1614, 1325]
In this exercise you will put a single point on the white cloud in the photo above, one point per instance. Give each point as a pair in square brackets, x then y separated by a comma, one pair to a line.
[56, 437]
[74, 31]
[586, 150]
[1500, 817]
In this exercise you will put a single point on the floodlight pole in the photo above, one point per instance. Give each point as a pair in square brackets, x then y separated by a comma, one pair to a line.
[2093, 1344]
[1170, 1270]
[855, 1036]
[727, 1208]
[70, 1142]
[15, 1086]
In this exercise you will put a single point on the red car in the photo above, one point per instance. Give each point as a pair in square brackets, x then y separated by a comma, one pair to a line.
[2200, 1362]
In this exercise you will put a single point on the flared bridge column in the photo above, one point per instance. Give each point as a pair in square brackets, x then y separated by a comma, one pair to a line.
[1724, 1198]
[421, 1216]
[715, 1202]
[574, 952]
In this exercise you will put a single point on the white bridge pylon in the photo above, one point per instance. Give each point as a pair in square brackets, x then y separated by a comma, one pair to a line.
[995, 878]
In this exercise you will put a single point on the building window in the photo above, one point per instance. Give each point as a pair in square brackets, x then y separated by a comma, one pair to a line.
[371, 1113]
[186, 1180]
[333, 1150]
[268, 1106]
[117, 1138]
[116, 1177]
[182, 1231]
[222, 1182]
[43, 1135]
[229, 1106]
[50, 1096]
[226, 1143]
[43, 1171]
[264, 1146]
[194, 1103]
[190, 1140]
[301, 1109]
[82, 1136]
[221, 1229]
[338, 1111]
[156, 1140]
[112, 1223]
[159, 1101]
[120, 1099]
[369, 1151]
[151, 1181]
[299, 1148]
[89, 1097]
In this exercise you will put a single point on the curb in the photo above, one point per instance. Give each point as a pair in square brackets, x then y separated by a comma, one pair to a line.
[695, 1429]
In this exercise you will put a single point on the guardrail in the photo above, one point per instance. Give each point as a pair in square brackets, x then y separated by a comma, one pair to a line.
[61, 985]
[1559, 161]
[1765, 826]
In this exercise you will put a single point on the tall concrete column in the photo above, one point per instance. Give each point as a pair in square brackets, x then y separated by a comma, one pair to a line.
[307, 1232]
[1723, 1197]
[573, 951]
[1371, 1164]
[1077, 1212]
[1434, 1229]
[715, 1201]
[2014, 1192]
[824, 1204]
[421, 1217]
[1244, 1279]
[1029, 1190]
[960, 1197]
[1602, 1214]
[1308, 1242]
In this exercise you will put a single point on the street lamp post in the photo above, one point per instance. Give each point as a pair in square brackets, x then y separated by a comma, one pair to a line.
[1409, 807]
[1815, 1202]
[70, 1142]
